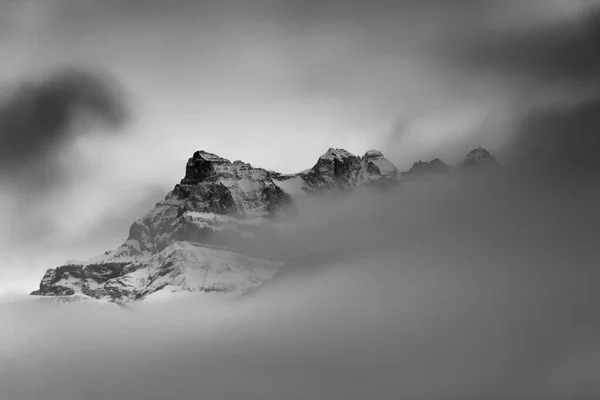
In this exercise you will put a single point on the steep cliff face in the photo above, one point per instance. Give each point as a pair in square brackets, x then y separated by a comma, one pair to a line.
[199, 238]
[204, 206]
[336, 169]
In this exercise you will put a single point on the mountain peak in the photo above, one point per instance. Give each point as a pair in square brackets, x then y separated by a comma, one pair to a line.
[339, 154]
[427, 168]
[205, 155]
[479, 157]
[478, 152]
[375, 166]
[372, 154]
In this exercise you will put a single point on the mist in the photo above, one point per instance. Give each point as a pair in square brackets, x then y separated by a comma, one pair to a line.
[480, 286]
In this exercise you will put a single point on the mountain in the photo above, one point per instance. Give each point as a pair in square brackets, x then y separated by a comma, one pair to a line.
[197, 238]
[200, 237]
[426, 169]
[339, 170]
[477, 159]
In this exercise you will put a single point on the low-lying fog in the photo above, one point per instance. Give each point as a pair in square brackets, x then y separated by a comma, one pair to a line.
[464, 289]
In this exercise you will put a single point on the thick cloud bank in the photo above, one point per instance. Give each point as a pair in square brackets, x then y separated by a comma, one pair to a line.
[478, 287]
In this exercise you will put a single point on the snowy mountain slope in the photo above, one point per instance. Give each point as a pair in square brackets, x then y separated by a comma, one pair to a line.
[181, 266]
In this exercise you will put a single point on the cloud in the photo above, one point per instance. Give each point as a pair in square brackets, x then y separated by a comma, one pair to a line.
[560, 140]
[504, 71]
[40, 120]
[41, 124]
[558, 51]
[115, 222]
[467, 289]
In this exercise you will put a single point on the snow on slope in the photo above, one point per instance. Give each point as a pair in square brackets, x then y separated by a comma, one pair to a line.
[181, 266]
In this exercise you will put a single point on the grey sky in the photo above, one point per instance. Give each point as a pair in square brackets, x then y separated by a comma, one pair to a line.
[274, 83]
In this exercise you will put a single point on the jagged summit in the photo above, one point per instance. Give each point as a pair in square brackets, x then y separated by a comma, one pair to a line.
[208, 156]
[215, 184]
[373, 153]
[427, 168]
[476, 160]
[336, 169]
[479, 157]
[377, 170]
[339, 169]
[336, 154]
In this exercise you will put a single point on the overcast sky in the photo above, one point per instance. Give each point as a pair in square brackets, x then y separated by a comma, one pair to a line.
[272, 82]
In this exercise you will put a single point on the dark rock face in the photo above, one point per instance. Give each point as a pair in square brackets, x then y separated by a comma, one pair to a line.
[206, 197]
[200, 168]
[336, 169]
[53, 290]
[340, 170]
[98, 274]
[377, 172]
[212, 185]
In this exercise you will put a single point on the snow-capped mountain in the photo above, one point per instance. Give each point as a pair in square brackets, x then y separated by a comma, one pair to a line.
[198, 238]
[340, 170]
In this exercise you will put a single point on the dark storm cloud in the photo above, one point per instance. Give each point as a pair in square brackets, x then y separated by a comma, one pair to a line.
[545, 73]
[40, 123]
[559, 134]
[561, 140]
[39, 119]
[561, 50]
